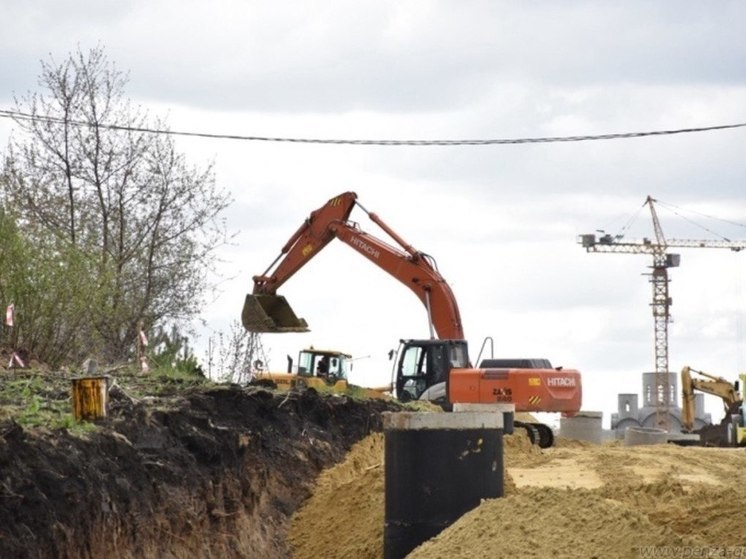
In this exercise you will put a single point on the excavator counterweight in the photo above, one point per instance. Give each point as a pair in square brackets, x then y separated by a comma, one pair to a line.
[270, 314]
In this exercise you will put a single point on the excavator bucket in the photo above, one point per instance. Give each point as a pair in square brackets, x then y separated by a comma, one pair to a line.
[270, 313]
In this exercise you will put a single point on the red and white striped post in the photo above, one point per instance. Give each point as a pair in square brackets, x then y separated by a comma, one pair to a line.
[142, 344]
[10, 319]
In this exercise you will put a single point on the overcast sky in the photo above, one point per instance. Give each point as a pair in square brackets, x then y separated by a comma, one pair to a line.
[501, 221]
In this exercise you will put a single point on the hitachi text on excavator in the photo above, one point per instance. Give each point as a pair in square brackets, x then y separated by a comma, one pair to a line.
[436, 369]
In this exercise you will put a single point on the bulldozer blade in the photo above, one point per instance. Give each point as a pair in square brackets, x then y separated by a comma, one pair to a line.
[270, 313]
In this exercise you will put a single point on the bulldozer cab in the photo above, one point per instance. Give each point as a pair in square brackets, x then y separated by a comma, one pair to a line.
[329, 365]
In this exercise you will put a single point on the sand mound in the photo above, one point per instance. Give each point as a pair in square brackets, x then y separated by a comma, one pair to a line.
[351, 494]
[344, 516]
[549, 523]
[573, 500]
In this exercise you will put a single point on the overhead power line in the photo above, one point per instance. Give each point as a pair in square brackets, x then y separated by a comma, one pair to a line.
[16, 115]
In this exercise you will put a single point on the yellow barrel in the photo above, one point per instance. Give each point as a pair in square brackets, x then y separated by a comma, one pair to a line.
[90, 397]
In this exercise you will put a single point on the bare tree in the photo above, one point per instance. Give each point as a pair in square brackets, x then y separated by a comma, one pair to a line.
[126, 198]
[237, 355]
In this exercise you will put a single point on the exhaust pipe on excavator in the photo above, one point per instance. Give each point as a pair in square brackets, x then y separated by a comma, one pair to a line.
[270, 314]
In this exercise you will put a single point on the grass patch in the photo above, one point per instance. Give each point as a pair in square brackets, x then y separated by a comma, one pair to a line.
[51, 414]
[40, 399]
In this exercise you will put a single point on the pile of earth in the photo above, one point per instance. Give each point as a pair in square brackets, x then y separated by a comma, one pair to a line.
[195, 471]
[573, 500]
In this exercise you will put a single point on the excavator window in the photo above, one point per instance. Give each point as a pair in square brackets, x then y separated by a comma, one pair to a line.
[422, 366]
[459, 357]
[412, 373]
[438, 369]
[414, 362]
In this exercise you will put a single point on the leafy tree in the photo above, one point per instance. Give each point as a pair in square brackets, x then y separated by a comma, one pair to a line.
[171, 351]
[52, 289]
[84, 173]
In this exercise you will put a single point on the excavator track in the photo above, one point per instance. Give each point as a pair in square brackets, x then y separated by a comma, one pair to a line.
[538, 433]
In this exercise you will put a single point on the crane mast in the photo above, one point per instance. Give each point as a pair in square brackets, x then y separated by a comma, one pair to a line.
[661, 306]
[661, 300]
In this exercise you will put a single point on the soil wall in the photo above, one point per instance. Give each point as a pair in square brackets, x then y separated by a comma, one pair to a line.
[210, 473]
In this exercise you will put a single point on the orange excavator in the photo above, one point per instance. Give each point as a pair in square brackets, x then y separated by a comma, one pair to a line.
[436, 369]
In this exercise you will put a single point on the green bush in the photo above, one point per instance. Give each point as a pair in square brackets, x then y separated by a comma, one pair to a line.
[55, 295]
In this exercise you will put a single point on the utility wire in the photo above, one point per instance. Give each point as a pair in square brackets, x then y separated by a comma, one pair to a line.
[20, 116]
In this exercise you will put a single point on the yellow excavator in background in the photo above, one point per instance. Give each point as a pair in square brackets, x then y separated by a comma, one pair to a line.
[731, 430]
[320, 369]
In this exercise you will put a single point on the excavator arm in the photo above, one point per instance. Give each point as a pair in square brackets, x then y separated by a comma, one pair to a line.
[717, 386]
[310, 238]
[265, 311]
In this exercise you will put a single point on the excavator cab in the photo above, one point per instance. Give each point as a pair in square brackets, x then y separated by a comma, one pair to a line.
[424, 364]
[270, 314]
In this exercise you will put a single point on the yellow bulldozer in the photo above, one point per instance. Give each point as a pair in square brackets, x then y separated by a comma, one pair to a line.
[321, 370]
[731, 431]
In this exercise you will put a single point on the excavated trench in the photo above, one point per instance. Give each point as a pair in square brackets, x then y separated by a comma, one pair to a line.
[211, 473]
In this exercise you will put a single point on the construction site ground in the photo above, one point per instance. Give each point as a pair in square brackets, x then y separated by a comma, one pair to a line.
[575, 500]
[185, 468]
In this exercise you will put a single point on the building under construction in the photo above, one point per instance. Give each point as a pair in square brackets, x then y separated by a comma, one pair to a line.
[658, 398]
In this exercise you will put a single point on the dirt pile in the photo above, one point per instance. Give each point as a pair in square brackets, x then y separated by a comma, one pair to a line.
[573, 500]
[581, 500]
[344, 516]
[351, 494]
[549, 523]
[201, 472]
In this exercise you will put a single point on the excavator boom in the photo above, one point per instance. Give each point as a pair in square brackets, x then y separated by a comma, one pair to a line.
[265, 311]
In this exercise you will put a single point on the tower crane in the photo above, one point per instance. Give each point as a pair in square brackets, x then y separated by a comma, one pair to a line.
[661, 303]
